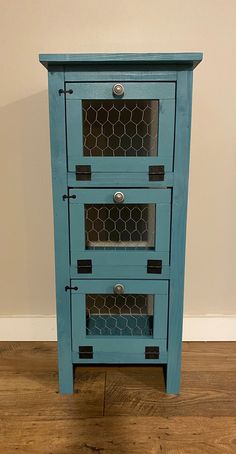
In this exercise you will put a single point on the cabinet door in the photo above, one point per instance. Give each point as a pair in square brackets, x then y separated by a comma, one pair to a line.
[117, 137]
[126, 239]
[126, 327]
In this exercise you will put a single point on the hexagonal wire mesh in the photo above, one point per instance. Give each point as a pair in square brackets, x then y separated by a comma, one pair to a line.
[120, 127]
[119, 315]
[120, 226]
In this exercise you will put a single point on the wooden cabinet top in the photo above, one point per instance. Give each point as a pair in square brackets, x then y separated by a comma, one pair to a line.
[186, 58]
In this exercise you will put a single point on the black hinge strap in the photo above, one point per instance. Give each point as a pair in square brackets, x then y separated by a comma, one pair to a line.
[156, 173]
[63, 92]
[84, 266]
[83, 173]
[154, 266]
[152, 352]
[86, 352]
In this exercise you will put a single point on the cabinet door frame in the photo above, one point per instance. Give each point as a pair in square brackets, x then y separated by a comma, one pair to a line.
[114, 262]
[162, 91]
[111, 348]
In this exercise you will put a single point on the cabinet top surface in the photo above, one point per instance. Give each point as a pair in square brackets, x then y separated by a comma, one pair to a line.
[192, 59]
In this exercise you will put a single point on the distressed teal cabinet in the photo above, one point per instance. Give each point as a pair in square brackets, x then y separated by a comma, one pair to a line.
[120, 135]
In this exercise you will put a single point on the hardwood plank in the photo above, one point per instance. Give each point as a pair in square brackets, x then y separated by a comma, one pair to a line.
[123, 435]
[28, 395]
[210, 347]
[29, 384]
[28, 356]
[139, 416]
[142, 394]
[212, 356]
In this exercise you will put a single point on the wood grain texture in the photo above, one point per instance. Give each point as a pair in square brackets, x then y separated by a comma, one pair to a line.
[175, 58]
[117, 409]
[123, 435]
[61, 226]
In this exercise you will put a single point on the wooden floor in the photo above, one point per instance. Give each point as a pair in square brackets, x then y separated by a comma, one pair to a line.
[117, 409]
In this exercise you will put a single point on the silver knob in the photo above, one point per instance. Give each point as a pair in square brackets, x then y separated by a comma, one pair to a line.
[118, 90]
[118, 197]
[118, 289]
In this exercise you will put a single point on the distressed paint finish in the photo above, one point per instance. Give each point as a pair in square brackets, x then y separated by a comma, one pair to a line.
[107, 263]
[193, 59]
[120, 349]
[73, 70]
[178, 235]
[61, 227]
[163, 92]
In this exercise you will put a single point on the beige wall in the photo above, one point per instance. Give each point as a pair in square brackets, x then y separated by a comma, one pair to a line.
[28, 27]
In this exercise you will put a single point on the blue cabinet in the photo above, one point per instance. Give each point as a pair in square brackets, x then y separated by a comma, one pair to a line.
[120, 135]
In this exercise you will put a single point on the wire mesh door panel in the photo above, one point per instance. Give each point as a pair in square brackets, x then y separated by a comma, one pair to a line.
[120, 226]
[119, 315]
[101, 317]
[128, 133]
[120, 128]
[119, 236]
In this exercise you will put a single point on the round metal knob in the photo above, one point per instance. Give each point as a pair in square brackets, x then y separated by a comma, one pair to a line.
[118, 197]
[118, 90]
[118, 289]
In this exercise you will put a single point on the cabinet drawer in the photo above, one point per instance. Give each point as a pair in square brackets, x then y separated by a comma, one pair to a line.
[120, 232]
[120, 135]
[114, 321]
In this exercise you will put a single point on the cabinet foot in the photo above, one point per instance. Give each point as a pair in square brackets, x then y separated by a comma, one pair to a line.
[172, 379]
[66, 380]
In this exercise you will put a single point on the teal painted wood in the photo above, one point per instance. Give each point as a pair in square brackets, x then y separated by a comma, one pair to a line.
[106, 286]
[61, 228]
[116, 349]
[178, 234]
[117, 165]
[120, 73]
[165, 93]
[192, 59]
[134, 357]
[122, 262]
[120, 266]
[133, 179]
[113, 268]
[132, 90]
[130, 196]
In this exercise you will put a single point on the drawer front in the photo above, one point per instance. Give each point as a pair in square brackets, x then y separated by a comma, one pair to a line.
[120, 232]
[119, 321]
[108, 134]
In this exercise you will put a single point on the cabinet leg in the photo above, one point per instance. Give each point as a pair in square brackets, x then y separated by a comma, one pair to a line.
[172, 373]
[66, 378]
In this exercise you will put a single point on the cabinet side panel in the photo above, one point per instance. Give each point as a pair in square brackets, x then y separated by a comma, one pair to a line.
[178, 231]
[61, 228]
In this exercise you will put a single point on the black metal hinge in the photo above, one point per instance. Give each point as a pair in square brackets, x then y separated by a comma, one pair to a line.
[65, 196]
[152, 352]
[83, 173]
[70, 288]
[154, 266]
[86, 352]
[156, 173]
[84, 266]
[63, 92]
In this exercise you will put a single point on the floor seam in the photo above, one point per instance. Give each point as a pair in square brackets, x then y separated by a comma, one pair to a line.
[104, 397]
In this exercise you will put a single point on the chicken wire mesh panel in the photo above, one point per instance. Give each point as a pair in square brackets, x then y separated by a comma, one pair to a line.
[120, 226]
[120, 127]
[119, 315]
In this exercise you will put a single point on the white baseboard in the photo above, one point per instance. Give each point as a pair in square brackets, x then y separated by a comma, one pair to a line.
[210, 328]
[43, 328]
